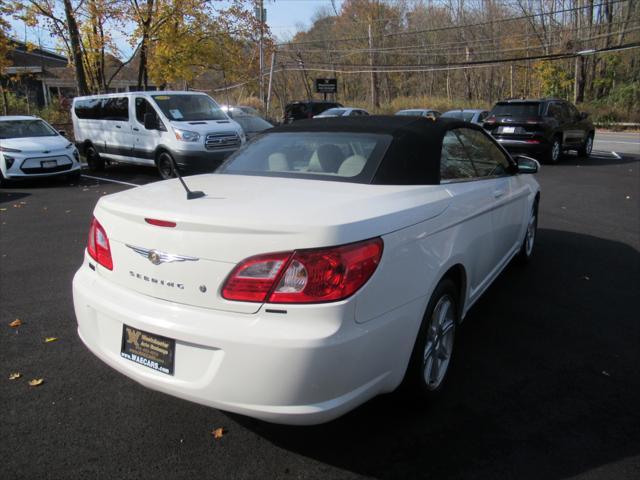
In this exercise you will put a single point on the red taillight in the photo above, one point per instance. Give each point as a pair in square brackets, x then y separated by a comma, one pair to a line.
[253, 278]
[159, 223]
[98, 245]
[532, 141]
[304, 276]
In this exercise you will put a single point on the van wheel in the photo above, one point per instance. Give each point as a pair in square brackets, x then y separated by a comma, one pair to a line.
[94, 161]
[433, 350]
[165, 165]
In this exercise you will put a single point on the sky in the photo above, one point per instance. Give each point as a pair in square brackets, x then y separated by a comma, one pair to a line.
[284, 17]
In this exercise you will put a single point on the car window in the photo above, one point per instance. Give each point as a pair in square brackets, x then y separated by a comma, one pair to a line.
[455, 164]
[142, 107]
[573, 111]
[487, 158]
[115, 108]
[322, 155]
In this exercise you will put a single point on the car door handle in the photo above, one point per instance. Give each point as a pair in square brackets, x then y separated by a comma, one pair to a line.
[118, 126]
[136, 129]
[499, 193]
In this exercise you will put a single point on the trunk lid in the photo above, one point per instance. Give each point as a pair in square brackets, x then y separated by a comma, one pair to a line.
[243, 216]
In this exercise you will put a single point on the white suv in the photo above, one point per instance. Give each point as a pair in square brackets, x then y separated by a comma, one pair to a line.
[30, 147]
[155, 129]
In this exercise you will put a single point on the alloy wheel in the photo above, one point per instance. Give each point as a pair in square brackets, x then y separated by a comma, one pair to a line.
[439, 345]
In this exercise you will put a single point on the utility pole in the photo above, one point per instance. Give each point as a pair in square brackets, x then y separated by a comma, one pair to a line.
[374, 76]
[273, 66]
[261, 18]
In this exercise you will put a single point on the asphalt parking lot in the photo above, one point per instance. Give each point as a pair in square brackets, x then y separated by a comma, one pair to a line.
[546, 383]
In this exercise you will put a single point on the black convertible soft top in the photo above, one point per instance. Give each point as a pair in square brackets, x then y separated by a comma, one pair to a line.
[413, 156]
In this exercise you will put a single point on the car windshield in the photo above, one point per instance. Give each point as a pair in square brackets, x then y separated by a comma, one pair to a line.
[249, 123]
[337, 112]
[452, 114]
[188, 108]
[520, 109]
[25, 129]
[342, 156]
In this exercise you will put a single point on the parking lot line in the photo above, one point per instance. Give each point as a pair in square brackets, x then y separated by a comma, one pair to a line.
[616, 155]
[110, 180]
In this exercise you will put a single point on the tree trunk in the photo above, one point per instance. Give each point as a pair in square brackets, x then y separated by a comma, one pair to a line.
[76, 49]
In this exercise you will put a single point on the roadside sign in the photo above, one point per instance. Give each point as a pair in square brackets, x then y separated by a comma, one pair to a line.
[326, 85]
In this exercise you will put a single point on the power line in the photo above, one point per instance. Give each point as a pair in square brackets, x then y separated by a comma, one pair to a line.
[417, 67]
[455, 27]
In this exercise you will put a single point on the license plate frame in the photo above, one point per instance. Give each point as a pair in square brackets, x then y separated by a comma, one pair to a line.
[48, 163]
[508, 130]
[148, 349]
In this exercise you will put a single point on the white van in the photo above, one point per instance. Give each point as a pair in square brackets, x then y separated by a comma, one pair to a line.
[154, 128]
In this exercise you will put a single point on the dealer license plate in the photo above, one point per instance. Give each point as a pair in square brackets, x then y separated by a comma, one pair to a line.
[49, 164]
[153, 351]
[508, 129]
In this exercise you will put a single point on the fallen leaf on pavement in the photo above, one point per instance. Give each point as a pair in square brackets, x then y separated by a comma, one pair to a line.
[218, 433]
[50, 339]
[16, 323]
[14, 376]
[36, 382]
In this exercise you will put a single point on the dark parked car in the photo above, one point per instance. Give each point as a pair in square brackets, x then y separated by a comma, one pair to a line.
[301, 110]
[252, 125]
[544, 128]
[468, 115]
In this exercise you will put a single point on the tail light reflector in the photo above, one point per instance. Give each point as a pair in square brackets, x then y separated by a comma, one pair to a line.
[98, 245]
[160, 223]
[304, 276]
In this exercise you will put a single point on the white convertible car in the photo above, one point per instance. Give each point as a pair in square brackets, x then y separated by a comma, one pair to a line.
[329, 261]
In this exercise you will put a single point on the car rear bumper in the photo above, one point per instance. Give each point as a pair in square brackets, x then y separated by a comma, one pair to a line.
[539, 147]
[307, 366]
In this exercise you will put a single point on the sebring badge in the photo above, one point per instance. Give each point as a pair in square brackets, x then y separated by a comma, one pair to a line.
[157, 257]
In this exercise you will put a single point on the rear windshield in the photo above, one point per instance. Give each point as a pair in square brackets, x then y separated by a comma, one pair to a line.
[521, 109]
[411, 113]
[25, 129]
[350, 157]
[189, 108]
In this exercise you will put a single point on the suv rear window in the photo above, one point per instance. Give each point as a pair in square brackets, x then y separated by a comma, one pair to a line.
[520, 109]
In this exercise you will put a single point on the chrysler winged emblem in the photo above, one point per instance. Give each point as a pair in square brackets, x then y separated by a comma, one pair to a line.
[157, 257]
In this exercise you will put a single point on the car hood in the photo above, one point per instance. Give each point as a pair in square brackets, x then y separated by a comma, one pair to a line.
[36, 144]
[208, 126]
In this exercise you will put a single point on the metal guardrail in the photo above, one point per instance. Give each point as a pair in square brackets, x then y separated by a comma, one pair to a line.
[617, 124]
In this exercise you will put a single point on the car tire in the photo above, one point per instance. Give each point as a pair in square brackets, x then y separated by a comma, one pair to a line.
[94, 161]
[434, 348]
[585, 150]
[554, 154]
[165, 164]
[3, 181]
[528, 243]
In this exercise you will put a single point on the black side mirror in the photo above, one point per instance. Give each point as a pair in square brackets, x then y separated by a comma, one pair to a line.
[527, 164]
[62, 132]
[583, 115]
[151, 121]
